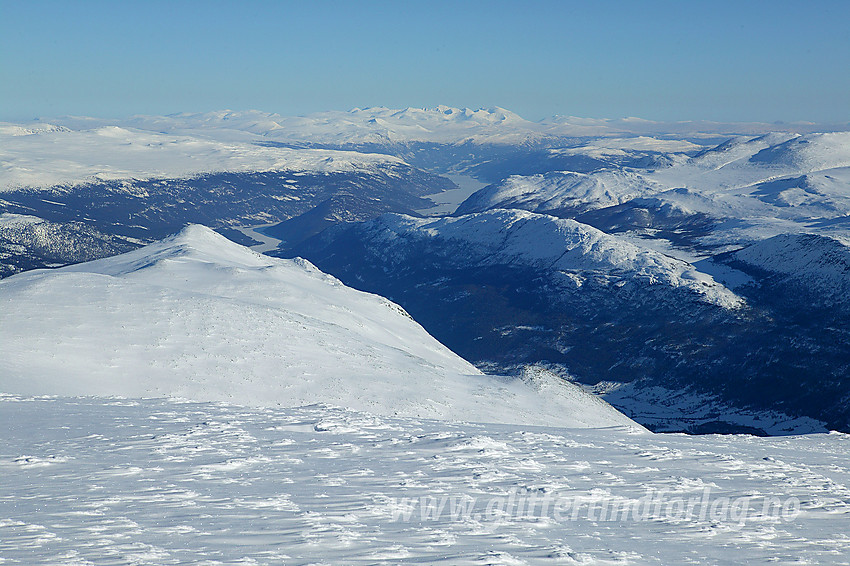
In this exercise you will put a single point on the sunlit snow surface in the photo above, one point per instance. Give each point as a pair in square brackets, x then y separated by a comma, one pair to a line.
[111, 481]
[44, 158]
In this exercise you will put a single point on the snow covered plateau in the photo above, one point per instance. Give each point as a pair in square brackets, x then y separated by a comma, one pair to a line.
[246, 338]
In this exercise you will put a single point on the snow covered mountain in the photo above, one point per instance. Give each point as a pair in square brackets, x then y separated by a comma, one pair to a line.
[489, 143]
[696, 287]
[575, 251]
[718, 208]
[200, 317]
[377, 125]
[561, 193]
[441, 124]
[737, 193]
[227, 169]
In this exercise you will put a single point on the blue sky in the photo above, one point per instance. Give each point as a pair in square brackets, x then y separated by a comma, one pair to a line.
[664, 60]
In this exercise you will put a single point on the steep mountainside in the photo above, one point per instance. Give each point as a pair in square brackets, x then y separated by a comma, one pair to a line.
[150, 209]
[815, 268]
[507, 288]
[28, 242]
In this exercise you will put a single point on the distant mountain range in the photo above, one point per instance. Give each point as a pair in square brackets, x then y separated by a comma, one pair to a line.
[439, 124]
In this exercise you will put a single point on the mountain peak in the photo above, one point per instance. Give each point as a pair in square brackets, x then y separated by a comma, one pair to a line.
[195, 244]
[198, 235]
[196, 239]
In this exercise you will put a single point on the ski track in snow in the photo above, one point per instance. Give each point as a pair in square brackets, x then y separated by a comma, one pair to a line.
[123, 481]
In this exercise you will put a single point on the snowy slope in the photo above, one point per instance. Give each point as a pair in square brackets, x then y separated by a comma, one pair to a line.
[561, 190]
[743, 162]
[613, 147]
[789, 254]
[200, 317]
[765, 186]
[523, 238]
[51, 156]
[100, 481]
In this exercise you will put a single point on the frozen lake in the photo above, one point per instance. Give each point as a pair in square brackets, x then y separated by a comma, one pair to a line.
[448, 201]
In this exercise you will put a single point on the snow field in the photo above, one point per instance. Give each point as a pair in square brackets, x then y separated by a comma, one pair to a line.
[121, 481]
